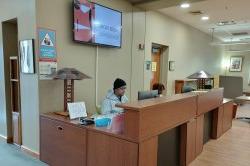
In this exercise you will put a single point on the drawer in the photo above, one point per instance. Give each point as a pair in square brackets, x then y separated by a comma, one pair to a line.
[62, 144]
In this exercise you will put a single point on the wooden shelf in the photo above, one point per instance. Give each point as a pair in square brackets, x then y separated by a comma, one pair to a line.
[14, 80]
[13, 58]
[15, 99]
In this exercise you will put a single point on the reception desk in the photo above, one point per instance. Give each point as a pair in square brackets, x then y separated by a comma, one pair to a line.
[149, 127]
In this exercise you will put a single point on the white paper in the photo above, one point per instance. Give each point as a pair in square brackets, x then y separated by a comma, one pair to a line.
[77, 110]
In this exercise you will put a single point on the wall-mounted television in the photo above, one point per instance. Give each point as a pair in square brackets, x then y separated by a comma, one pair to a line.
[97, 24]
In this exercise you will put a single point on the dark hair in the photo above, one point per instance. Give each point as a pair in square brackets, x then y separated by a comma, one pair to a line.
[158, 86]
[119, 83]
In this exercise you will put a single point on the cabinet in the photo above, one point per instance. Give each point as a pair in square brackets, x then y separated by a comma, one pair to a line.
[222, 119]
[62, 144]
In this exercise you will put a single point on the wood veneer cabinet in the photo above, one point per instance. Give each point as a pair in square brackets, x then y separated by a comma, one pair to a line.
[222, 118]
[146, 123]
[62, 144]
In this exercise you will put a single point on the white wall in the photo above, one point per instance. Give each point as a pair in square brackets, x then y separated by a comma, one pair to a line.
[188, 47]
[24, 11]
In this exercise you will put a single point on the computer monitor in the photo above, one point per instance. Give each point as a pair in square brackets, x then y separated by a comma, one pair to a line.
[147, 94]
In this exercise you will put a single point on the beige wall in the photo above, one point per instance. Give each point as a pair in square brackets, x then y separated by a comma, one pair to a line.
[113, 62]
[188, 47]
[24, 11]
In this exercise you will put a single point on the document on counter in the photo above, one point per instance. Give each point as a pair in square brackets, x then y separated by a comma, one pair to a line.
[77, 110]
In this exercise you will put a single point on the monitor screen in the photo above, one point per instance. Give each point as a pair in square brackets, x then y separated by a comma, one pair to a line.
[96, 24]
[142, 95]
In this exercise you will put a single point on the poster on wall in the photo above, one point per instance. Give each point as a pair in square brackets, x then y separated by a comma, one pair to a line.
[47, 52]
[236, 64]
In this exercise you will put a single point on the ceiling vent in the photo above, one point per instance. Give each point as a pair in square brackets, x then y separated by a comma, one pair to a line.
[239, 33]
[196, 13]
[245, 39]
[224, 23]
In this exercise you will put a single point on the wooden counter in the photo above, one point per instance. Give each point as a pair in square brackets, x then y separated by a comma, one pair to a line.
[147, 125]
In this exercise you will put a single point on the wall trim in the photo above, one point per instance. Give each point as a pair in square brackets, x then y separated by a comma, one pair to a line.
[23, 148]
[8, 139]
[30, 152]
[4, 137]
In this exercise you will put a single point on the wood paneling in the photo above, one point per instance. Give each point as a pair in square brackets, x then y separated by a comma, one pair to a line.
[217, 122]
[188, 142]
[148, 152]
[191, 140]
[104, 150]
[222, 119]
[199, 135]
[161, 118]
[209, 101]
[131, 124]
[62, 144]
[227, 116]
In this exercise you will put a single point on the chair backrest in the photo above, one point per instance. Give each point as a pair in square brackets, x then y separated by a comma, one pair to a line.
[147, 94]
[233, 86]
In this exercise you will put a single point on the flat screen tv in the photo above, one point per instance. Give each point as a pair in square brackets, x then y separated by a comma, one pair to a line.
[96, 24]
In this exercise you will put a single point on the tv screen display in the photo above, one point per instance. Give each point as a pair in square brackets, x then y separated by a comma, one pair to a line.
[96, 24]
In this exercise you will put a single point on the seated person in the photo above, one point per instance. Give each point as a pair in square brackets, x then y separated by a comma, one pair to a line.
[115, 96]
[160, 87]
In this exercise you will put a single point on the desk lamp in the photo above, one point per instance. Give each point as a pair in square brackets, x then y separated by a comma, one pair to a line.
[69, 75]
[201, 77]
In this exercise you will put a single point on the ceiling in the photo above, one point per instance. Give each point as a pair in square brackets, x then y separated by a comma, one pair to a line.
[158, 4]
[217, 10]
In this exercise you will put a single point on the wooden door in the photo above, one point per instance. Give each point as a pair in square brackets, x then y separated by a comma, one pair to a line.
[156, 66]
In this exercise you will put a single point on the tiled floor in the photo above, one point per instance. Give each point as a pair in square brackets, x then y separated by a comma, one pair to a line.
[11, 155]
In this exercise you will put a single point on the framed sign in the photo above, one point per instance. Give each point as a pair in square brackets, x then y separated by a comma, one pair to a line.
[171, 65]
[236, 64]
[47, 45]
[27, 56]
[47, 53]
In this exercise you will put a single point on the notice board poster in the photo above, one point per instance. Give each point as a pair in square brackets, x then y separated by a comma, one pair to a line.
[47, 52]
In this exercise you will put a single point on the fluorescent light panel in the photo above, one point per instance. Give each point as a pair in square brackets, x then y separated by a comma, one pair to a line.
[185, 5]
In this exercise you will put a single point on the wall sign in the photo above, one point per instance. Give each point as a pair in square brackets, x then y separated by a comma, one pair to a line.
[171, 65]
[47, 52]
[154, 66]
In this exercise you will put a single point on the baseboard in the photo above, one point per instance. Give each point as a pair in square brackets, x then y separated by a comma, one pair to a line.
[3, 137]
[23, 148]
[30, 152]
[8, 139]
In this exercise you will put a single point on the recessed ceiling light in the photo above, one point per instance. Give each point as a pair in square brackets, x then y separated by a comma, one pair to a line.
[205, 18]
[185, 5]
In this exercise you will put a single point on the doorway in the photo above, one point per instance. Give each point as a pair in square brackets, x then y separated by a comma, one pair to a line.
[159, 59]
[12, 81]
